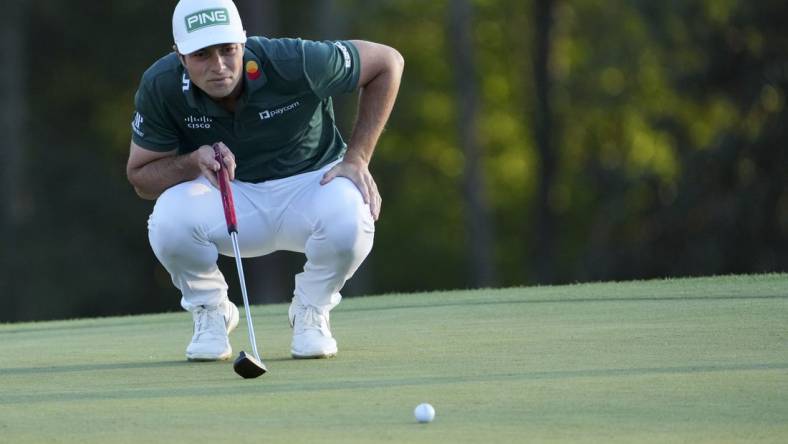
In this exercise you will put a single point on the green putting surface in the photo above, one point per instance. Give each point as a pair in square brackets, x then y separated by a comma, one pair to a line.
[686, 360]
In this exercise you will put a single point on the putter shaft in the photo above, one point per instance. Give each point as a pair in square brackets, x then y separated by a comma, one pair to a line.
[237, 251]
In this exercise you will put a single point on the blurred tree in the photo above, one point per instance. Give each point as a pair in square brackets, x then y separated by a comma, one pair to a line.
[83, 249]
[667, 114]
[479, 236]
[418, 167]
[503, 41]
[545, 219]
[13, 126]
[260, 17]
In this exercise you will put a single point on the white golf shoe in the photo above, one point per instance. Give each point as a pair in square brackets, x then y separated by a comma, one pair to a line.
[212, 324]
[311, 333]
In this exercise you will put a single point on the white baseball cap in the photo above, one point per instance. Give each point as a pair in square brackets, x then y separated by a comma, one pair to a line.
[197, 24]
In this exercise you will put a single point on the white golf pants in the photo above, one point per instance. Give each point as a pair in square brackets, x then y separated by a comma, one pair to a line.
[330, 223]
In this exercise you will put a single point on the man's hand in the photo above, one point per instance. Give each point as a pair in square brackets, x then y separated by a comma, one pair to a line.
[358, 173]
[206, 161]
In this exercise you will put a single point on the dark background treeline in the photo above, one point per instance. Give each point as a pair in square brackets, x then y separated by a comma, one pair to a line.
[533, 142]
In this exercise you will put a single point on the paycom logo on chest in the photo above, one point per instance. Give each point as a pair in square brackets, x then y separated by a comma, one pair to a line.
[205, 18]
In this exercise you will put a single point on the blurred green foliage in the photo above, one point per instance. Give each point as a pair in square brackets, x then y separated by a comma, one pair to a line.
[669, 130]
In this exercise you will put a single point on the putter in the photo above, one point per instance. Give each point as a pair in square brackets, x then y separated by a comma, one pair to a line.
[245, 365]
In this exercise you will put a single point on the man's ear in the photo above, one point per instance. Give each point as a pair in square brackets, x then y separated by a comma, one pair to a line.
[181, 57]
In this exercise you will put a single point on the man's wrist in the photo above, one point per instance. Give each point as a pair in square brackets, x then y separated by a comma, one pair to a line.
[354, 156]
[189, 161]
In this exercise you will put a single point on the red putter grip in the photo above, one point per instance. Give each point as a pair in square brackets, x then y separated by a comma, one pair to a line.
[227, 192]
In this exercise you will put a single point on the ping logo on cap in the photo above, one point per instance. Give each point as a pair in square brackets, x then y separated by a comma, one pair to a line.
[205, 18]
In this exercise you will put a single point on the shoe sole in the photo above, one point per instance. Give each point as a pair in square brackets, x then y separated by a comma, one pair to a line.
[324, 356]
[204, 358]
[319, 356]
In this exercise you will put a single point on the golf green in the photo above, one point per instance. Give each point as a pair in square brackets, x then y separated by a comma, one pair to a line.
[684, 360]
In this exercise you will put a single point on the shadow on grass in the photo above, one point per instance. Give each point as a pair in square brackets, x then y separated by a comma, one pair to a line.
[268, 384]
[112, 323]
[259, 317]
[569, 301]
[76, 368]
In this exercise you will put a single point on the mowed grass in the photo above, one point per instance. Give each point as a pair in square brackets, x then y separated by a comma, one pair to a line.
[687, 360]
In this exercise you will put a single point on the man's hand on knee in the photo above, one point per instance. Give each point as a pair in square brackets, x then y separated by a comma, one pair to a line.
[358, 173]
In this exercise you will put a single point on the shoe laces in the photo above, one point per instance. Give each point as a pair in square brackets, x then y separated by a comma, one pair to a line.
[208, 321]
[311, 318]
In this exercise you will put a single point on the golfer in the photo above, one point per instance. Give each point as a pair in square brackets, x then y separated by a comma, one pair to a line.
[297, 184]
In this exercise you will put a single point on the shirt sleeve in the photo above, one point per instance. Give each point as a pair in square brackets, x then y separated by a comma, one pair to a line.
[149, 127]
[331, 67]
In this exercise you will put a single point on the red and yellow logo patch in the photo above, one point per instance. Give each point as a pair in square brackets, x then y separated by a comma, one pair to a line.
[252, 70]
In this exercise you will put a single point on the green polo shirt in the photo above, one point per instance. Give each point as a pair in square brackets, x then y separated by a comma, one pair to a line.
[284, 120]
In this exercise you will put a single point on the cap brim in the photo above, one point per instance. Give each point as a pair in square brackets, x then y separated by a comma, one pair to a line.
[197, 43]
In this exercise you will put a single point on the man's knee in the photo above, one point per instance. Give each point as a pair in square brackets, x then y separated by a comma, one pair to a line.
[178, 220]
[350, 238]
[168, 236]
[345, 219]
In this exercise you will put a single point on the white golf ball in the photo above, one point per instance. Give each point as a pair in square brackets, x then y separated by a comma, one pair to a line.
[424, 413]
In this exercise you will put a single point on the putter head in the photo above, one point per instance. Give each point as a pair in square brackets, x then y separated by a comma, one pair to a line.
[248, 367]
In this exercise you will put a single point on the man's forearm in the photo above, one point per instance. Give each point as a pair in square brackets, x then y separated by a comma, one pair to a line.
[153, 178]
[376, 100]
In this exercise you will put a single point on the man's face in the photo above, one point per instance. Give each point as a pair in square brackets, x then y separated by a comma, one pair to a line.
[216, 69]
